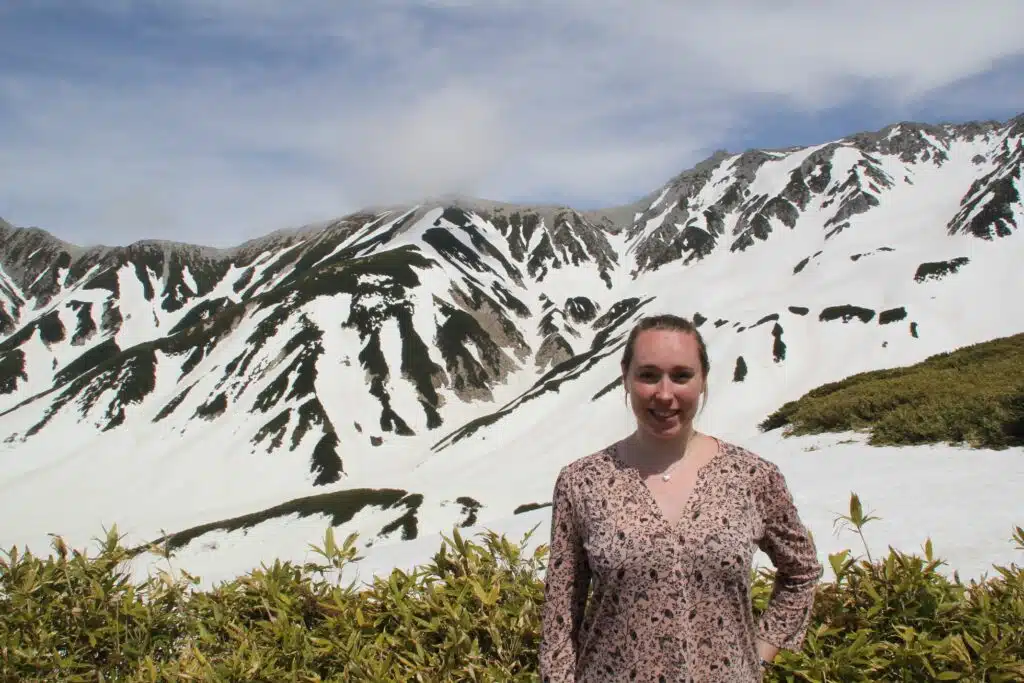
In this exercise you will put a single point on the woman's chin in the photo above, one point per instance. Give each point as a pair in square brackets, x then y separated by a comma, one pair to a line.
[663, 430]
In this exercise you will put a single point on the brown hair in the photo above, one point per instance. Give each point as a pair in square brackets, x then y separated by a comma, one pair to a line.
[673, 323]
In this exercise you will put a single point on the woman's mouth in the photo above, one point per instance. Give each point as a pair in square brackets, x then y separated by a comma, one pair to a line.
[663, 414]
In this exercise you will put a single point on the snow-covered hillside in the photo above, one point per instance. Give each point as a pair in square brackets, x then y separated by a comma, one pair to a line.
[404, 370]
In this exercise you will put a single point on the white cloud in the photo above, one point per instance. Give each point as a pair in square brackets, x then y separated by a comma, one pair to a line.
[290, 112]
[445, 141]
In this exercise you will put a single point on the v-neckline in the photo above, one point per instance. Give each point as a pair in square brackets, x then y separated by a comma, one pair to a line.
[652, 501]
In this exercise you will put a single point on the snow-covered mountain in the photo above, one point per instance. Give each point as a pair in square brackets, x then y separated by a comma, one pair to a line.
[406, 369]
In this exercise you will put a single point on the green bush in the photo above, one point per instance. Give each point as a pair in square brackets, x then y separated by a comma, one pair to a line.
[470, 614]
[973, 396]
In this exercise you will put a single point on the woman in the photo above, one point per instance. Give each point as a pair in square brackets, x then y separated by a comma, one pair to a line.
[663, 526]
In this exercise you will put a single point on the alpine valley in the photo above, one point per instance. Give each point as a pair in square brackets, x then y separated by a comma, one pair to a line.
[409, 369]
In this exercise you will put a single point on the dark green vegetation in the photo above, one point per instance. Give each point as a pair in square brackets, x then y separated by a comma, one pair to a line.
[611, 386]
[803, 263]
[857, 257]
[471, 613]
[767, 319]
[408, 522]
[936, 270]
[470, 509]
[739, 373]
[973, 395]
[778, 346]
[892, 315]
[846, 313]
[339, 506]
[12, 369]
[529, 507]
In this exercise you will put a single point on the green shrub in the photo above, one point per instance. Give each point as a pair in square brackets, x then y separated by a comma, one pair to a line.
[470, 614]
[973, 396]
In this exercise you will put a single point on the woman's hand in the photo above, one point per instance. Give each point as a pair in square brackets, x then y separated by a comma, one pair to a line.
[766, 651]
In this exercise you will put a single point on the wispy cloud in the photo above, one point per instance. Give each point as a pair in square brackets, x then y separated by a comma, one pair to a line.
[217, 120]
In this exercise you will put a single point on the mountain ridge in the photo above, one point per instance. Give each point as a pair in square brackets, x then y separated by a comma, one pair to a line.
[462, 201]
[428, 342]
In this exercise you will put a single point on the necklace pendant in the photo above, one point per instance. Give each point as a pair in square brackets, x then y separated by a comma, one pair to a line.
[666, 477]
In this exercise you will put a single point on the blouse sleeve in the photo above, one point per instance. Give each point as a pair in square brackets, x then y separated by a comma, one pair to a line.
[566, 585]
[789, 546]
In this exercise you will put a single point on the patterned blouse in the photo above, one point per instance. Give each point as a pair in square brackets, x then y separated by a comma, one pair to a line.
[671, 603]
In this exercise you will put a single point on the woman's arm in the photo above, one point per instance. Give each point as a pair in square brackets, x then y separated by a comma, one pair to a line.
[566, 583]
[789, 546]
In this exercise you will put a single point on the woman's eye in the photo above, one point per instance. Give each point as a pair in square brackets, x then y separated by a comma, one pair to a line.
[654, 377]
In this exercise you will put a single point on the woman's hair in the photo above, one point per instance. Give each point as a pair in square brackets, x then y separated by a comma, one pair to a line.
[672, 323]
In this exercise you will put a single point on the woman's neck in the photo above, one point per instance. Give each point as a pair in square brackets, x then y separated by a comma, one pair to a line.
[657, 454]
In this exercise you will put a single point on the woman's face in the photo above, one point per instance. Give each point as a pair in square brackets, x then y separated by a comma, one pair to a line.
[664, 382]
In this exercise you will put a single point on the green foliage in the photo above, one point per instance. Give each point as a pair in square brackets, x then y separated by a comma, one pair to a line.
[900, 619]
[472, 613]
[974, 395]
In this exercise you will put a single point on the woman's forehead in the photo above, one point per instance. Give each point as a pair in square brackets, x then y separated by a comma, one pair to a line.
[658, 347]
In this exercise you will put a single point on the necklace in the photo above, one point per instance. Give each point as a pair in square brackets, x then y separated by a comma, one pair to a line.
[667, 474]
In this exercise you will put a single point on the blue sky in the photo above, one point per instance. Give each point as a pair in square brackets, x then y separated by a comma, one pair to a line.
[215, 121]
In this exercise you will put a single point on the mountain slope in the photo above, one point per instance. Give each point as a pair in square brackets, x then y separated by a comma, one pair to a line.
[452, 355]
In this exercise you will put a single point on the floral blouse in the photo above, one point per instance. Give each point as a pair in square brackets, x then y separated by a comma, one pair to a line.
[671, 603]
